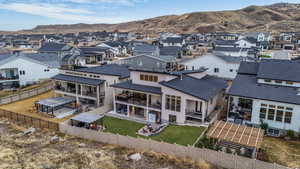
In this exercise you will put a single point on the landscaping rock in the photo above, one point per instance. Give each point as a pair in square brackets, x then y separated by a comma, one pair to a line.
[81, 145]
[54, 139]
[98, 154]
[135, 157]
[29, 131]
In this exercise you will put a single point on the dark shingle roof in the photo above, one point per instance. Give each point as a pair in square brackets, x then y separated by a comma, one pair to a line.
[170, 51]
[279, 70]
[76, 79]
[205, 88]
[248, 68]
[226, 42]
[247, 86]
[173, 40]
[110, 69]
[230, 59]
[45, 58]
[229, 49]
[53, 47]
[143, 88]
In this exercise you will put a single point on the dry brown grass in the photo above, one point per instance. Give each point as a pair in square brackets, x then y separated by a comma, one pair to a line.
[24, 106]
[4, 93]
[282, 151]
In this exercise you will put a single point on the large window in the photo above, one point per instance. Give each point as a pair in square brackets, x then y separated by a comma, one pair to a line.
[245, 103]
[279, 115]
[172, 118]
[173, 103]
[271, 114]
[150, 78]
[276, 113]
[263, 113]
[288, 117]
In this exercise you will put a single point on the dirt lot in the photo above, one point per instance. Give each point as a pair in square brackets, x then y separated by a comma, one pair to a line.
[282, 151]
[24, 106]
[35, 151]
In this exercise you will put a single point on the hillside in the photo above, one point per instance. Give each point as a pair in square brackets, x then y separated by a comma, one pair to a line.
[276, 17]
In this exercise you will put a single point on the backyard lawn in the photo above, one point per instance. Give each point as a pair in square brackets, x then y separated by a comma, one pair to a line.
[122, 127]
[183, 135]
[282, 151]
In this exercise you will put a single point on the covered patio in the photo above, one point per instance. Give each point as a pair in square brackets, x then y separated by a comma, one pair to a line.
[88, 121]
[237, 138]
[58, 107]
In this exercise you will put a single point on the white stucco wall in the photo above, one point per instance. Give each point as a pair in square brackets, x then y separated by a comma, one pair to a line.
[184, 97]
[294, 125]
[211, 62]
[33, 71]
[135, 77]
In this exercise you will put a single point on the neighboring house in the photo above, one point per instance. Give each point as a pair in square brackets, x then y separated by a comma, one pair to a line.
[145, 49]
[27, 68]
[60, 49]
[225, 43]
[231, 51]
[117, 47]
[188, 97]
[263, 39]
[22, 44]
[173, 41]
[175, 51]
[91, 86]
[266, 92]
[246, 43]
[226, 36]
[149, 62]
[217, 65]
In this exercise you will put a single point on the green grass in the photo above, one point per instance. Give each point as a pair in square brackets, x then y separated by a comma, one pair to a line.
[183, 135]
[265, 56]
[122, 127]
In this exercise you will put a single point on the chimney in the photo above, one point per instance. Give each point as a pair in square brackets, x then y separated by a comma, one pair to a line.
[181, 76]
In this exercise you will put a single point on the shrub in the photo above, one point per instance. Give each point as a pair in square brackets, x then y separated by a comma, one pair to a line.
[291, 133]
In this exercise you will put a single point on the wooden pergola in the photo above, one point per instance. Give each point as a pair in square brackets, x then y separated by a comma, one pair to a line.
[237, 134]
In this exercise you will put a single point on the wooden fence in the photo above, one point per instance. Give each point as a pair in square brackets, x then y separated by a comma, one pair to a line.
[29, 121]
[26, 94]
[216, 158]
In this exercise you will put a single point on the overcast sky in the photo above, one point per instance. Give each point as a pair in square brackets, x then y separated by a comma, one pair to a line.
[26, 14]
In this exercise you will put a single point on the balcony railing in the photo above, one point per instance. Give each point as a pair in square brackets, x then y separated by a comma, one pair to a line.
[131, 100]
[193, 114]
[155, 106]
[9, 78]
[67, 90]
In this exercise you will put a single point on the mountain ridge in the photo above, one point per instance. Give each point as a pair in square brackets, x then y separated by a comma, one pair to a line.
[275, 17]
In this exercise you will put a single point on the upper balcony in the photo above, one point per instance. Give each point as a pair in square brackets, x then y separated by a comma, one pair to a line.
[140, 99]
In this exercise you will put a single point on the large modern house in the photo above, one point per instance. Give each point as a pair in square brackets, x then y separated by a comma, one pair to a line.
[27, 68]
[186, 97]
[90, 86]
[267, 92]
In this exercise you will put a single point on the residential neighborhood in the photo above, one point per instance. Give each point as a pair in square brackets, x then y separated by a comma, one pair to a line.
[222, 98]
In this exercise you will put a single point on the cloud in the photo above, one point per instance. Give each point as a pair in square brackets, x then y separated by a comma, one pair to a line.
[61, 12]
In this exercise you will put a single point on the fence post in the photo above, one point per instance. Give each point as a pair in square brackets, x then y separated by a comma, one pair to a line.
[235, 161]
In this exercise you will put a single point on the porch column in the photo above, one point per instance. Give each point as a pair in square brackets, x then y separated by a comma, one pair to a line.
[98, 96]
[128, 111]
[81, 89]
[77, 98]
[114, 100]
[147, 107]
